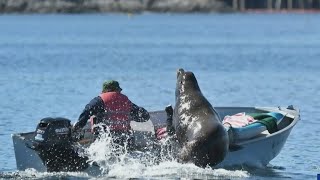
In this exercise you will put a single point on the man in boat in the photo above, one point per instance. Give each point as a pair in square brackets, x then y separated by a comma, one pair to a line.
[113, 109]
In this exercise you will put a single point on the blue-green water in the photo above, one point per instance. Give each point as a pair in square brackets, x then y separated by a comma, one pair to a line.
[52, 65]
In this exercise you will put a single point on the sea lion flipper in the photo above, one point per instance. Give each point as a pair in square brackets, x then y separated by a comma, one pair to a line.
[169, 111]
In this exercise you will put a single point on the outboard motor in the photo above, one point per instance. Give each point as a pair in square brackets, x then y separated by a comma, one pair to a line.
[53, 131]
[53, 142]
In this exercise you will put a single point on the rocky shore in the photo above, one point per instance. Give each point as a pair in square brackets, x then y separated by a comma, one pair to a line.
[100, 6]
[136, 6]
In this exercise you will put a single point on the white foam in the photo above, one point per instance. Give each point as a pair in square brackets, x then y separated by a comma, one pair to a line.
[32, 173]
[190, 171]
[142, 165]
[105, 153]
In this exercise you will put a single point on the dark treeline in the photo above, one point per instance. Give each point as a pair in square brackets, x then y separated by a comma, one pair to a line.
[96, 6]
[274, 4]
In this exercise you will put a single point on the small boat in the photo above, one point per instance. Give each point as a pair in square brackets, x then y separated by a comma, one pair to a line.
[254, 149]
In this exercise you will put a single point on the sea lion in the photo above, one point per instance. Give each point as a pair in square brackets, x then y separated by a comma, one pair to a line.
[197, 125]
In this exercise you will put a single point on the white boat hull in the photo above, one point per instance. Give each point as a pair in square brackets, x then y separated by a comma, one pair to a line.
[257, 152]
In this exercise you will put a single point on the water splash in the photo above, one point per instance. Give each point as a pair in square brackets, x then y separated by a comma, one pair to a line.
[191, 171]
[105, 153]
[120, 163]
[157, 163]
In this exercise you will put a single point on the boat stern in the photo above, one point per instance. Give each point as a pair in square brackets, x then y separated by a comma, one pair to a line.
[26, 157]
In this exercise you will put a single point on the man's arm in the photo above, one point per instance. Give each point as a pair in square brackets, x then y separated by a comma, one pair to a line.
[139, 114]
[94, 107]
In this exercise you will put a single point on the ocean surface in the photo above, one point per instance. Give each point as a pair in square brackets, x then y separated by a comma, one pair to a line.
[52, 65]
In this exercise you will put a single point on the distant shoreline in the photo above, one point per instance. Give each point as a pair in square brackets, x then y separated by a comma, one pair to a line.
[157, 6]
[111, 6]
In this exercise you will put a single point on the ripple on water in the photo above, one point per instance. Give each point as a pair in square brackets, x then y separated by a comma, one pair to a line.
[41, 72]
[33, 174]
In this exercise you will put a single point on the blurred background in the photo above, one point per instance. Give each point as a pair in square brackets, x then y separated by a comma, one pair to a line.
[55, 54]
[80, 6]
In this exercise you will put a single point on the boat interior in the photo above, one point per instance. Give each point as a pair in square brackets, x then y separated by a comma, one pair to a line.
[144, 133]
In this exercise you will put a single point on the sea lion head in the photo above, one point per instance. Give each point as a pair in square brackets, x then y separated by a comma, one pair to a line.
[186, 81]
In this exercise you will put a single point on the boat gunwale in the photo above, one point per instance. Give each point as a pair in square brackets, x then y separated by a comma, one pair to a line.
[286, 112]
[294, 112]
